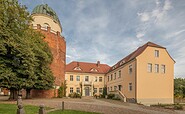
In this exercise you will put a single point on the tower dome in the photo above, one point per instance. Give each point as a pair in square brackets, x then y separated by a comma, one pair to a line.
[43, 14]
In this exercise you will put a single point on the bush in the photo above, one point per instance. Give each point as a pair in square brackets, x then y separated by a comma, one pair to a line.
[74, 95]
[110, 96]
[116, 98]
[178, 106]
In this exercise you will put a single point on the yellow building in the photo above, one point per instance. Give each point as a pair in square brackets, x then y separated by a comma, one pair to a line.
[145, 76]
[87, 78]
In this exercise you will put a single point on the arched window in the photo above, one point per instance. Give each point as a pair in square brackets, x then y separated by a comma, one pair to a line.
[46, 25]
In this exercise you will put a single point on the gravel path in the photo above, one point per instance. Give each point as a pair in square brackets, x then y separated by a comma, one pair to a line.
[98, 105]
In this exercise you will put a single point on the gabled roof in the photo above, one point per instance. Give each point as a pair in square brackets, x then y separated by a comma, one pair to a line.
[134, 54]
[87, 67]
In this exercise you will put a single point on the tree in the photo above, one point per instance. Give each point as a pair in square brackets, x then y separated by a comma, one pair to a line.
[179, 87]
[24, 56]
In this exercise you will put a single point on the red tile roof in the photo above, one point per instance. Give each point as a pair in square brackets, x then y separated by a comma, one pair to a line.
[87, 67]
[135, 54]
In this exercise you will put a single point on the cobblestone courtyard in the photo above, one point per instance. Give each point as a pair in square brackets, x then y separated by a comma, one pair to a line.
[95, 105]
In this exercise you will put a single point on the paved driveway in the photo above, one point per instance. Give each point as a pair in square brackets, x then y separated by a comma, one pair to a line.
[98, 105]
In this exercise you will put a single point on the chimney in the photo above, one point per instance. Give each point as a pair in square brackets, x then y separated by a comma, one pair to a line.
[98, 63]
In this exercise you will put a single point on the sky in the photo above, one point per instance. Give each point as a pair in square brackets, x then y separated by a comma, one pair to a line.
[109, 30]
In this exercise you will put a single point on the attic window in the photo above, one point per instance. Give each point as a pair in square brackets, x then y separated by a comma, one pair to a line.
[122, 62]
[114, 67]
[77, 68]
[94, 70]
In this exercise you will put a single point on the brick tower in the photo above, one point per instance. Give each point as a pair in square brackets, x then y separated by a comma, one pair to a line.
[47, 22]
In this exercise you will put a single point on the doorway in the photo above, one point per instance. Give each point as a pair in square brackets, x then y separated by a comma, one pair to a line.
[86, 91]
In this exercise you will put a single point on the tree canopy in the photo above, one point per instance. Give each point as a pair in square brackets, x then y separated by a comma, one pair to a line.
[24, 56]
[179, 87]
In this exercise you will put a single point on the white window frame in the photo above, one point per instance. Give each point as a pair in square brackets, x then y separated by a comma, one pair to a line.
[156, 53]
[71, 77]
[77, 78]
[149, 67]
[156, 68]
[163, 68]
[71, 90]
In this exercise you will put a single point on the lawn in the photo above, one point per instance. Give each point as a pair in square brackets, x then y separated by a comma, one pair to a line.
[29, 109]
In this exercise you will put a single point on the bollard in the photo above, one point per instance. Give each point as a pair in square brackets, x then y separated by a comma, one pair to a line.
[62, 105]
[42, 110]
[20, 109]
[19, 101]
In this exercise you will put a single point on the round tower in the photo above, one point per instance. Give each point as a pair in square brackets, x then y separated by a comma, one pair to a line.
[47, 22]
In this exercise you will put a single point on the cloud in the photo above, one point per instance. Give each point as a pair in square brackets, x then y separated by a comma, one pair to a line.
[144, 16]
[139, 35]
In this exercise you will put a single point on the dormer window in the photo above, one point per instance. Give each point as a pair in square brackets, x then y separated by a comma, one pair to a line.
[114, 67]
[94, 70]
[77, 68]
[122, 62]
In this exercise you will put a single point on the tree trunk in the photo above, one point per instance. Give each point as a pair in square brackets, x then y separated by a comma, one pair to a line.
[13, 94]
[28, 93]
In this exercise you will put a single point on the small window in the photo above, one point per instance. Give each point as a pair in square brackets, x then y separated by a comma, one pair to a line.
[77, 78]
[100, 90]
[156, 53]
[100, 79]
[149, 67]
[77, 90]
[96, 79]
[119, 74]
[130, 86]
[87, 78]
[163, 68]
[94, 70]
[115, 75]
[77, 68]
[71, 77]
[130, 69]
[111, 77]
[95, 90]
[115, 88]
[156, 68]
[71, 89]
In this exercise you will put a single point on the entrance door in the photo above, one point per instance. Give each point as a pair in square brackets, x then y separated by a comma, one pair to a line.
[86, 91]
[119, 87]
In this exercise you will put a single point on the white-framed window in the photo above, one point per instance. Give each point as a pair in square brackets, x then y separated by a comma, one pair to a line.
[96, 79]
[119, 76]
[77, 78]
[115, 88]
[77, 90]
[130, 69]
[163, 69]
[156, 53]
[100, 90]
[95, 90]
[115, 75]
[71, 89]
[130, 87]
[86, 78]
[71, 77]
[149, 67]
[100, 79]
[156, 68]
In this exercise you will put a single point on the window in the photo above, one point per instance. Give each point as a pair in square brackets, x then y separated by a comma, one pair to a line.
[119, 74]
[77, 68]
[156, 53]
[77, 90]
[115, 75]
[111, 77]
[87, 78]
[163, 68]
[71, 89]
[149, 67]
[108, 78]
[77, 78]
[71, 77]
[130, 86]
[100, 79]
[115, 88]
[100, 90]
[130, 69]
[95, 90]
[96, 79]
[156, 68]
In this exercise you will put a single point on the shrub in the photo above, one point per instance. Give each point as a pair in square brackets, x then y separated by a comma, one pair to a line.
[74, 95]
[116, 98]
[110, 96]
[178, 106]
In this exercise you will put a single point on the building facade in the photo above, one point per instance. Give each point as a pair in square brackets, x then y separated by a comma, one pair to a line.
[85, 78]
[145, 76]
[47, 22]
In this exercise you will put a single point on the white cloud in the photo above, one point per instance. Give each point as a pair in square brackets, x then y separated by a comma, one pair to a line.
[139, 35]
[144, 16]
